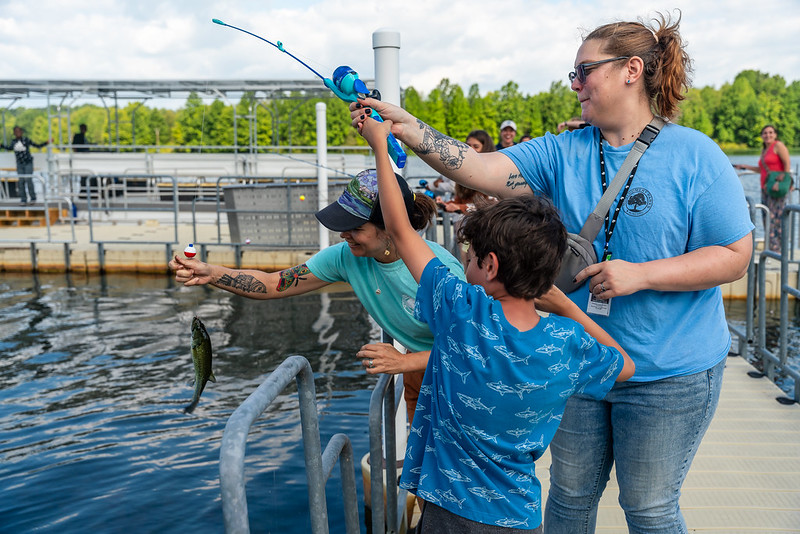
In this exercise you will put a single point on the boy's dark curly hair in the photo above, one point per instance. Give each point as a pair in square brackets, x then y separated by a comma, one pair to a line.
[528, 238]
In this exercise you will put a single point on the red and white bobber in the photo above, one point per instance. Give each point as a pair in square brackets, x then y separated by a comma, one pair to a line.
[190, 251]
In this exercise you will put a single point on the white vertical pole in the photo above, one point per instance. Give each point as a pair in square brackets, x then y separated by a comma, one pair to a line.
[386, 45]
[322, 169]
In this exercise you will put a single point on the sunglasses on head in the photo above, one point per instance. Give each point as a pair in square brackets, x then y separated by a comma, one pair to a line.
[582, 71]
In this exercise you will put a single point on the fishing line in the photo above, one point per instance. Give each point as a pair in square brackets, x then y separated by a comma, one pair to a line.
[345, 84]
[279, 46]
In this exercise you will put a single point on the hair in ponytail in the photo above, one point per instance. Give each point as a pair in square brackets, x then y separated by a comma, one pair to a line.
[667, 66]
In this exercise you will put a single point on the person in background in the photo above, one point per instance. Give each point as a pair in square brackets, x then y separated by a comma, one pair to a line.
[526, 137]
[481, 141]
[79, 141]
[466, 199]
[80, 144]
[683, 229]
[499, 375]
[442, 186]
[774, 157]
[21, 145]
[367, 259]
[508, 131]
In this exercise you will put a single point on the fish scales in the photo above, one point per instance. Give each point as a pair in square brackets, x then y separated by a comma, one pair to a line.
[201, 357]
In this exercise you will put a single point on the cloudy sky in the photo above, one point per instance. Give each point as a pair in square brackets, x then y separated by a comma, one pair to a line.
[486, 42]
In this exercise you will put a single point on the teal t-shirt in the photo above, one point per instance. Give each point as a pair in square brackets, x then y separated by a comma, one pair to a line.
[393, 308]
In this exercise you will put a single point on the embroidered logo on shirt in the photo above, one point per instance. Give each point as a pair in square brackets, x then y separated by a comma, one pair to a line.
[638, 202]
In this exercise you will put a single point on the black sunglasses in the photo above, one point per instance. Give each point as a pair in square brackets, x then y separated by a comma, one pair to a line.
[582, 70]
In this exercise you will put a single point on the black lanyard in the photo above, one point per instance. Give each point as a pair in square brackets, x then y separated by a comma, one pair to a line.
[611, 220]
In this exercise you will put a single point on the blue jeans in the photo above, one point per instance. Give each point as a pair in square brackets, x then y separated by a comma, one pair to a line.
[651, 431]
[24, 171]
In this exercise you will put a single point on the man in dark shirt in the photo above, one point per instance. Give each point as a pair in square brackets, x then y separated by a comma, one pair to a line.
[21, 145]
[79, 141]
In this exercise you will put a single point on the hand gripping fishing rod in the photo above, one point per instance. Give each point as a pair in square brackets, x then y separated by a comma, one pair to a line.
[345, 84]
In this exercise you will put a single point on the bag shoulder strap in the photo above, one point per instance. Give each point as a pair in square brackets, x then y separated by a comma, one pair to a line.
[595, 220]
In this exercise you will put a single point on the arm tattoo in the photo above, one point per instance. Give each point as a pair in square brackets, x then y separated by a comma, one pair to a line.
[291, 277]
[243, 282]
[451, 151]
[515, 180]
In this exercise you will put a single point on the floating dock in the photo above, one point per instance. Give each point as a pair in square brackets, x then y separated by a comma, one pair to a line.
[746, 475]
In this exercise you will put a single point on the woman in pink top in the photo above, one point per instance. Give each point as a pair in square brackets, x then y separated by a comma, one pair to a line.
[774, 157]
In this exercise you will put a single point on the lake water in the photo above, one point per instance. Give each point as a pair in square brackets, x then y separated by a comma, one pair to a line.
[95, 373]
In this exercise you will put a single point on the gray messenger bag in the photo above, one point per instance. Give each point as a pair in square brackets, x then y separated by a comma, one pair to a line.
[580, 251]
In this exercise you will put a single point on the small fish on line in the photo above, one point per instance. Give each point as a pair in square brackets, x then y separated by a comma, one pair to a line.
[201, 357]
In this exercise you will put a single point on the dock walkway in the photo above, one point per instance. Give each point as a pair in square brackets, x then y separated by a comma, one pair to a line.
[746, 475]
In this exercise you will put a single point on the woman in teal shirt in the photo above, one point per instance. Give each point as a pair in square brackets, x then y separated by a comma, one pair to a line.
[367, 260]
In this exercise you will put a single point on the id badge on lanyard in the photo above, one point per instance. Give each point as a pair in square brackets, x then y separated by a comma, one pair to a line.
[598, 306]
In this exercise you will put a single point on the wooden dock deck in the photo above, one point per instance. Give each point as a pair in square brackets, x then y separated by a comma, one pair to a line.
[746, 475]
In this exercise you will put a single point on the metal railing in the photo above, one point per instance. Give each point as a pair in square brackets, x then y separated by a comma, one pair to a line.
[775, 365]
[319, 465]
[48, 203]
[102, 193]
[383, 408]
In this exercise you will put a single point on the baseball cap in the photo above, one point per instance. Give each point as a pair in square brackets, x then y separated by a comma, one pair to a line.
[359, 203]
[508, 123]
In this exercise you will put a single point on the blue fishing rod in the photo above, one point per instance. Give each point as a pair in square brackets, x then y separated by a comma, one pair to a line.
[345, 84]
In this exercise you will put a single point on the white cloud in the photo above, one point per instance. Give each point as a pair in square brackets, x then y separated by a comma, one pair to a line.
[470, 41]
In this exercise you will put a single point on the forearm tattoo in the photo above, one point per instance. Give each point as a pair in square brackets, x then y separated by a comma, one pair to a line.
[451, 152]
[291, 277]
[515, 180]
[243, 282]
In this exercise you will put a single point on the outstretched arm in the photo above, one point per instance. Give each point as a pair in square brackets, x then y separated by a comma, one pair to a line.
[555, 301]
[491, 172]
[743, 167]
[414, 251]
[249, 283]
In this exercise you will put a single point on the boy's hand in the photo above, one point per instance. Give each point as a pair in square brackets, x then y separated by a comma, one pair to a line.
[554, 301]
[375, 132]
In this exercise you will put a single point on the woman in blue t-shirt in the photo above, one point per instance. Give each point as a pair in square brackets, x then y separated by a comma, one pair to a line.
[678, 230]
[368, 261]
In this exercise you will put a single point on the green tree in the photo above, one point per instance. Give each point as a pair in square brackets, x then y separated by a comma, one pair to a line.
[413, 103]
[737, 115]
[789, 123]
[482, 111]
[458, 116]
[435, 112]
[694, 113]
[510, 105]
[556, 106]
[189, 123]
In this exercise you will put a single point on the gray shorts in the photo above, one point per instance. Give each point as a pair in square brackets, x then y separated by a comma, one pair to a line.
[437, 520]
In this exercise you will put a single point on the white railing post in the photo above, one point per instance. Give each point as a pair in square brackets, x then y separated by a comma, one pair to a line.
[322, 169]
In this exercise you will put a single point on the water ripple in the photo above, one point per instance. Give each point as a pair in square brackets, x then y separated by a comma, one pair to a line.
[93, 381]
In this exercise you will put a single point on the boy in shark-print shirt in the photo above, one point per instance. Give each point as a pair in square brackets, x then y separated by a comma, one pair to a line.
[499, 374]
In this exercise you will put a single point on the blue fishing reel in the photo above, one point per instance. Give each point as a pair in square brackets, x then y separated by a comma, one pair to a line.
[346, 84]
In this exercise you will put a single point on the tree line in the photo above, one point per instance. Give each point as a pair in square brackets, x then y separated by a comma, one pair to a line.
[732, 115]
